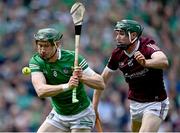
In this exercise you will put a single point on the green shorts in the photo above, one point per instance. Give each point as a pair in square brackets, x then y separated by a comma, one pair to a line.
[83, 120]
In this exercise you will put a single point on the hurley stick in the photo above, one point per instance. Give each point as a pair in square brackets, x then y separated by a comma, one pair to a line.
[77, 13]
[98, 124]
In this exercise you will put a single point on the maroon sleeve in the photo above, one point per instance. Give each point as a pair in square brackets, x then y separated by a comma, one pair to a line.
[149, 47]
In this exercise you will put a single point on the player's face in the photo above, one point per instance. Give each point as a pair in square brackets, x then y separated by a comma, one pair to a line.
[121, 37]
[45, 49]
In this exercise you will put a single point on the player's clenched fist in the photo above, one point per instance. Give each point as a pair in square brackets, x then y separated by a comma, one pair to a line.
[78, 72]
[140, 58]
[73, 82]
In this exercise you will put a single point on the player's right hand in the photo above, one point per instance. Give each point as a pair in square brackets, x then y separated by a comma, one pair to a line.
[73, 81]
[140, 58]
[78, 72]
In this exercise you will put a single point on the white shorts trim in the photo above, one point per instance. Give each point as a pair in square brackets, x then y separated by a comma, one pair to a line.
[159, 109]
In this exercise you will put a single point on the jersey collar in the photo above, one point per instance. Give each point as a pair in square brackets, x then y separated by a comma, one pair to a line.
[132, 53]
[59, 56]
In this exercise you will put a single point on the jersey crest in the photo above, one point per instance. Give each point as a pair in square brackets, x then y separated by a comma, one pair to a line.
[55, 73]
[66, 70]
[130, 62]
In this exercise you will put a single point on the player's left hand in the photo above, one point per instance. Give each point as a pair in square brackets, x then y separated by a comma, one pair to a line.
[140, 58]
[78, 72]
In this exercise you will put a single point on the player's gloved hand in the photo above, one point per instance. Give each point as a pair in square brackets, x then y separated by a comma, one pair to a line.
[140, 58]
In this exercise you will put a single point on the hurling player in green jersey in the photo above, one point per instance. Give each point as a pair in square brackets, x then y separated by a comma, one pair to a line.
[52, 76]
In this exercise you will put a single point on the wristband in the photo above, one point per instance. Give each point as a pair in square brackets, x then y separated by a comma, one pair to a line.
[65, 87]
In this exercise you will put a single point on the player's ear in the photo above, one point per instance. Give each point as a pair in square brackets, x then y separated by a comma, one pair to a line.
[58, 43]
[133, 35]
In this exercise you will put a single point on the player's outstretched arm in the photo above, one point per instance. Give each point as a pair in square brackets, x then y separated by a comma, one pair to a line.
[45, 90]
[106, 74]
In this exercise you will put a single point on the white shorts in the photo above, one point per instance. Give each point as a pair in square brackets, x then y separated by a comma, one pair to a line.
[159, 109]
[85, 119]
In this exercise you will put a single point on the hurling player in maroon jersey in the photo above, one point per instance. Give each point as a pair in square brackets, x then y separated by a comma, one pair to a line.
[142, 64]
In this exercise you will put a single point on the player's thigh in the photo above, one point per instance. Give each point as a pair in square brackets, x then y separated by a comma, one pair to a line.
[135, 126]
[150, 123]
[47, 127]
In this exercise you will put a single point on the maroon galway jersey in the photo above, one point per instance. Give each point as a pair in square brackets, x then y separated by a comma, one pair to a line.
[145, 84]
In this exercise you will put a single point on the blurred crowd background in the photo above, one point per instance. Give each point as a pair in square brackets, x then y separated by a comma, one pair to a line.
[20, 108]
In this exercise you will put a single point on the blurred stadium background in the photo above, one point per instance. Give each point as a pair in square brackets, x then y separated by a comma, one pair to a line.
[22, 111]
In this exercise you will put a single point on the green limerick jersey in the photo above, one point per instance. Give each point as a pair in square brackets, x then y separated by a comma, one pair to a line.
[59, 72]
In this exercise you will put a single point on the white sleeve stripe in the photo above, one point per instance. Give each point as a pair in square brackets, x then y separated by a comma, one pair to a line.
[88, 71]
[84, 65]
[82, 62]
[33, 66]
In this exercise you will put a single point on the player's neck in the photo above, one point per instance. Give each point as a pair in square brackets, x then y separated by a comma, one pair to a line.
[131, 48]
[55, 57]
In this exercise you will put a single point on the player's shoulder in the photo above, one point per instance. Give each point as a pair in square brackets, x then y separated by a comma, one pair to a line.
[67, 55]
[146, 41]
[36, 59]
[117, 51]
[67, 52]
[149, 43]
